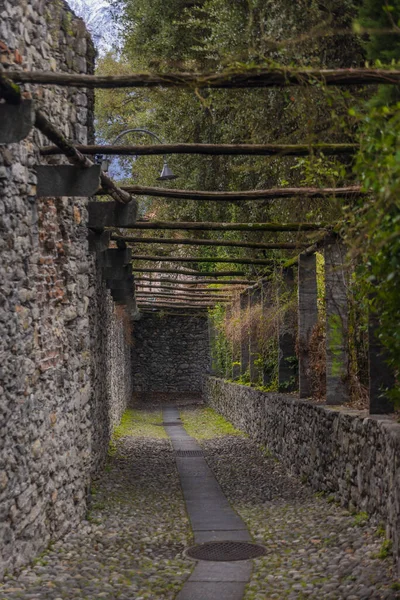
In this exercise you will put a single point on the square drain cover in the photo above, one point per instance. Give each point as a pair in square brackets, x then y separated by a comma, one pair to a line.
[190, 453]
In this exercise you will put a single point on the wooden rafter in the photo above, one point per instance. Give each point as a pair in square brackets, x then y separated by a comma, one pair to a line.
[270, 194]
[213, 149]
[208, 242]
[250, 78]
[205, 259]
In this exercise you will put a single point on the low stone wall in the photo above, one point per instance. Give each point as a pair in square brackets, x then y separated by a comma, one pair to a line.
[171, 356]
[355, 458]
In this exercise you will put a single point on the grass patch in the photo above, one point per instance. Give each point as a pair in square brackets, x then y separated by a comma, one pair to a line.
[205, 423]
[385, 550]
[360, 519]
[139, 423]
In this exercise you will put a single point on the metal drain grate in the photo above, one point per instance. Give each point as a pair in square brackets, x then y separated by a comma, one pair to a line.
[190, 453]
[226, 551]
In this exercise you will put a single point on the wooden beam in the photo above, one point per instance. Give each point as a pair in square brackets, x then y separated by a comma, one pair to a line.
[191, 313]
[177, 296]
[220, 243]
[197, 274]
[250, 78]
[270, 194]
[187, 282]
[214, 226]
[173, 305]
[207, 259]
[213, 149]
[185, 289]
[76, 158]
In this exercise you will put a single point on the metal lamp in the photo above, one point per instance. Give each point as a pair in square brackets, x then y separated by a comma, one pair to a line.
[166, 173]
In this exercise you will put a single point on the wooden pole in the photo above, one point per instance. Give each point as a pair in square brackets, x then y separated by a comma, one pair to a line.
[208, 242]
[185, 290]
[213, 149]
[176, 296]
[173, 305]
[250, 78]
[207, 259]
[187, 282]
[197, 274]
[213, 226]
[270, 194]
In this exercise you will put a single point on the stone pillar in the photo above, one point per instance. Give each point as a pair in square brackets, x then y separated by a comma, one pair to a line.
[212, 339]
[236, 346]
[287, 367]
[337, 357]
[381, 376]
[244, 335]
[255, 370]
[308, 317]
[228, 349]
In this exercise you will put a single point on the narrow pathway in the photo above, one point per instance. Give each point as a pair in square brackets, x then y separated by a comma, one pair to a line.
[211, 517]
[132, 544]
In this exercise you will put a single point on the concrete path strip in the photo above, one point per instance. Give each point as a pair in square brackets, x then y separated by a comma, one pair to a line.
[212, 519]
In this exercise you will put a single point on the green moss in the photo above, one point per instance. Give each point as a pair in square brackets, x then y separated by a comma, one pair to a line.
[205, 423]
[385, 550]
[360, 519]
[137, 423]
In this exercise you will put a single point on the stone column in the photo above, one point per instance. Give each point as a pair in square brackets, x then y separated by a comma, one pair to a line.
[308, 317]
[266, 302]
[245, 336]
[212, 339]
[381, 376]
[255, 371]
[236, 347]
[337, 356]
[287, 368]
[228, 349]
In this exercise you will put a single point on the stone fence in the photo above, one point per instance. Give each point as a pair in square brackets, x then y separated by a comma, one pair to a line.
[343, 453]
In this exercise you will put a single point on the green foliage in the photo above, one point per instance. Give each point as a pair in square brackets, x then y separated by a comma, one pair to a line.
[385, 550]
[374, 223]
[360, 519]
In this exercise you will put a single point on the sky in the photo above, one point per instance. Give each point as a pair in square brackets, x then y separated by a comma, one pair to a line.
[97, 16]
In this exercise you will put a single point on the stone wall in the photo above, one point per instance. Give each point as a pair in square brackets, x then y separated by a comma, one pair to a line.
[63, 355]
[355, 458]
[171, 356]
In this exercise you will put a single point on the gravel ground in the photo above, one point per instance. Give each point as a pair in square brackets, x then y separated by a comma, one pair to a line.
[131, 546]
[315, 548]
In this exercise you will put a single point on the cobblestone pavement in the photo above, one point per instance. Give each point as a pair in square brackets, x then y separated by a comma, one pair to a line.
[130, 547]
[316, 549]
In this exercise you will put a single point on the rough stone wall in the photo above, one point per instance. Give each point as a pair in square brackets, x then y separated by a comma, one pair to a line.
[171, 356]
[355, 458]
[53, 312]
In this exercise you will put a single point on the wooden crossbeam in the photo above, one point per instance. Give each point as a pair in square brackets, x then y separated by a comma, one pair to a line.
[188, 284]
[207, 259]
[214, 226]
[270, 194]
[178, 296]
[250, 78]
[195, 274]
[184, 289]
[181, 282]
[173, 305]
[78, 159]
[213, 149]
[208, 242]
